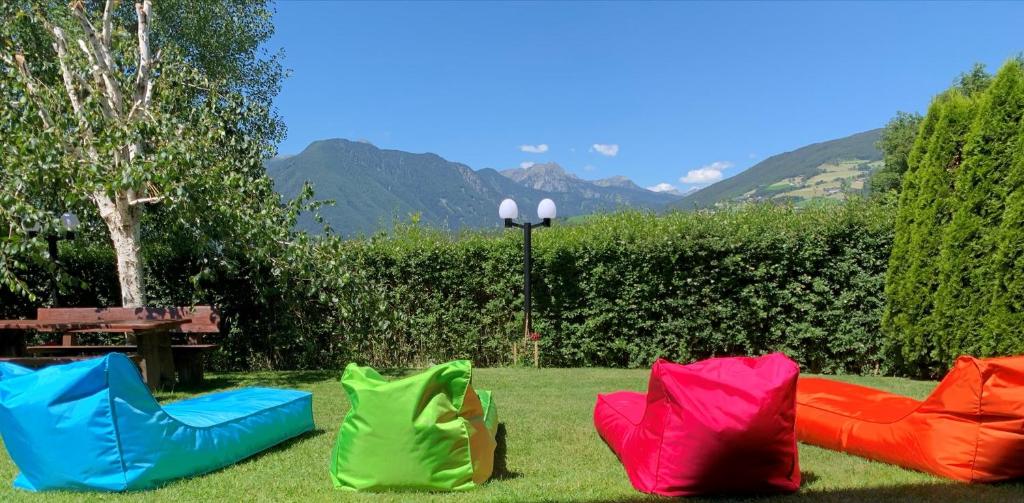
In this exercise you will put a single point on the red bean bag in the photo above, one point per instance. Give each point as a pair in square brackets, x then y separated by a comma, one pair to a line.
[719, 426]
[971, 428]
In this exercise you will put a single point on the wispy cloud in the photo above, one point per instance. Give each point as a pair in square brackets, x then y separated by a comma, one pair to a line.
[752, 155]
[589, 167]
[534, 149]
[710, 173]
[526, 164]
[662, 187]
[606, 149]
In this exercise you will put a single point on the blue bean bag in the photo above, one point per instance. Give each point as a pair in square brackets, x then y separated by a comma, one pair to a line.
[93, 425]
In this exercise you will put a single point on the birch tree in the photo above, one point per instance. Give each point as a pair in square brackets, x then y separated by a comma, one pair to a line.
[96, 113]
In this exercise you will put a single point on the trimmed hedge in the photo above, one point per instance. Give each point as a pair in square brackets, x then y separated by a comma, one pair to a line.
[617, 290]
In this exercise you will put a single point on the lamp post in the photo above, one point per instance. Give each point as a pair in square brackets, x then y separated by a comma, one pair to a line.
[509, 211]
[69, 221]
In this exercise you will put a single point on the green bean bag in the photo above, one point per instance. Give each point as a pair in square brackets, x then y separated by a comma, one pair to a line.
[429, 431]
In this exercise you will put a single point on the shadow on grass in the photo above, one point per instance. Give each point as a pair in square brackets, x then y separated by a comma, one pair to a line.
[501, 471]
[288, 379]
[309, 435]
[293, 378]
[938, 491]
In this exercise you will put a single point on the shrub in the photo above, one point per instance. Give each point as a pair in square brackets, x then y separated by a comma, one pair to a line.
[616, 290]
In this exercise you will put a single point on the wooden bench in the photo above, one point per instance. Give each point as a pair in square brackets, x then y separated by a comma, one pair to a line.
[186, 342]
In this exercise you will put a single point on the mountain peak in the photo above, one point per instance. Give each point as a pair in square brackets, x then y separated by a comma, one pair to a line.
[548, 177]
[538, 169]
[617, 181]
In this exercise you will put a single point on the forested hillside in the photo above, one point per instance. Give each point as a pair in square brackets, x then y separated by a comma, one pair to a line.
[827, 169]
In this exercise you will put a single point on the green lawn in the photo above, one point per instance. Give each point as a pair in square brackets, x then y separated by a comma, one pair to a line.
[551, 452]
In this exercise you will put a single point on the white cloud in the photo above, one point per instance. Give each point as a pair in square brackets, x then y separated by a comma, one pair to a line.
[662, 187]
[752, 156]
[589, 167]
[534, 149]
[710, 173]
[526, 164]
[609, 149]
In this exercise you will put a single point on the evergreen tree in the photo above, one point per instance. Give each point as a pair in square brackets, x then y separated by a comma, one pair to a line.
[967, 261]
[894, 319]
[924, 211]
[973, 82]
[1006, 318]
[897, 143]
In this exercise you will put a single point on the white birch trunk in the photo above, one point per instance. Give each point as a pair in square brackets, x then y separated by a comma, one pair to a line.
[124, 223]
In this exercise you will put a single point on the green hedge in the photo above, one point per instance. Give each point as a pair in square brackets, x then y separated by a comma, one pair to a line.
[616, 290]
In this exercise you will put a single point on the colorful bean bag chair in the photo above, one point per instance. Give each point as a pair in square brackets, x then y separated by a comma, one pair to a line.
[93, 425]
[970, 429]
[719, 426]
[429, 431]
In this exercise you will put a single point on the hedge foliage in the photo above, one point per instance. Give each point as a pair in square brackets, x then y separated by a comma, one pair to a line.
[616, 290]
[955, 284]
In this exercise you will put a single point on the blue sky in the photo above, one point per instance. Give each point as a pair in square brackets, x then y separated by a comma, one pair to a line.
[660, 92]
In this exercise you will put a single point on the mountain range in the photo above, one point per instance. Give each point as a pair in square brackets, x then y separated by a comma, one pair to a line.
[372, 188]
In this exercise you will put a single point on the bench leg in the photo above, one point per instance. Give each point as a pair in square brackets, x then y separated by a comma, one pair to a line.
[189, 365]
[157, 360]
[13, 345]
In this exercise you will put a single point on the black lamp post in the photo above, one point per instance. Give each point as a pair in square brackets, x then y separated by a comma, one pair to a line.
[509, 211]
[70, 223]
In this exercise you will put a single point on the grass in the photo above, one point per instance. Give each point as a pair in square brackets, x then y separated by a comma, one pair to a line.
[551, 451]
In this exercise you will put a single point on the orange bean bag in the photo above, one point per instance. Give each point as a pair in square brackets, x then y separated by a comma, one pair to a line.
[970, 429]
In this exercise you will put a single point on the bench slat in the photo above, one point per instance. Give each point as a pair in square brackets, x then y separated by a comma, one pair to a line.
[205, 319]
[119, 349]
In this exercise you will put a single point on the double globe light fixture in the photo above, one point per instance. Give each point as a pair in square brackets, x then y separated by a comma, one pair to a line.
[69, 223]
[509, 212]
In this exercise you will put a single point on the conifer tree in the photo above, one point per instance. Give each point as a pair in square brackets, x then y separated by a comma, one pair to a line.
[967, 262]
[1006, 318]
[923, 214]
[898, 295]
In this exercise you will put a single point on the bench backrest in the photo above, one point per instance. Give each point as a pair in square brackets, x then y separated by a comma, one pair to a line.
[205, 319]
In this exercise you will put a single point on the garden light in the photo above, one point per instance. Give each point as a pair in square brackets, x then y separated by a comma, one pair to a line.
[69, 221]
[546, 209]
[509, 211]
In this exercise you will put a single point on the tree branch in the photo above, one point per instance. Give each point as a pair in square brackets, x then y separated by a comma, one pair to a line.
[33, 91]
[105, 204]
[97, 77]
[108, 26]
[99, 56]
[146, 200]
[60, 45]
[143, 79]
